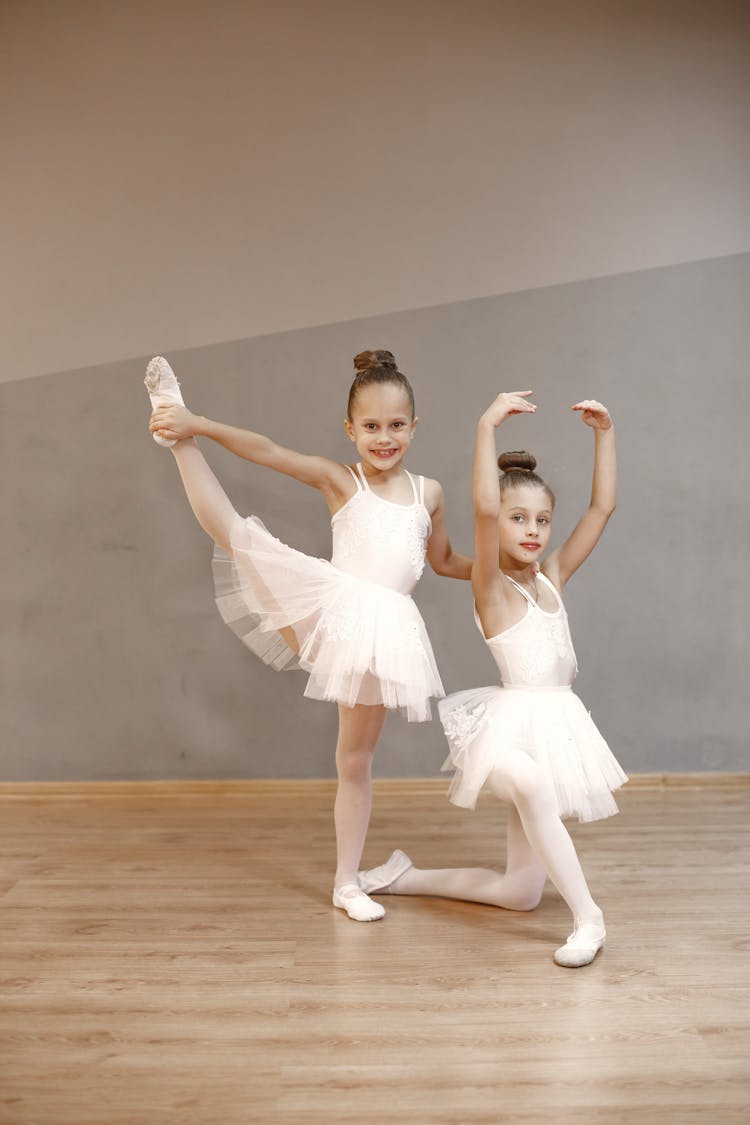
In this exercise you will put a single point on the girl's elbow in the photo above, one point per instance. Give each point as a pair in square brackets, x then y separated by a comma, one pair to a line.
[440, 566]
[605, 509]
[447, 565]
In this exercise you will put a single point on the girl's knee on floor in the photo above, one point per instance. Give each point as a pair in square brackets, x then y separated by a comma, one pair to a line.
[525, 898]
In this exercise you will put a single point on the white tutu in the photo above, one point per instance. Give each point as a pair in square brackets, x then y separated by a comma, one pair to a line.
[360, 642]
[551, 725]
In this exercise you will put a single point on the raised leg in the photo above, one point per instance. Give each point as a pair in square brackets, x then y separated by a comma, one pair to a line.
[207, 498]
[210, 503]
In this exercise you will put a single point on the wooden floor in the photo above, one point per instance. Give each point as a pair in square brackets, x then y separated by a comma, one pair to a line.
[171, 956]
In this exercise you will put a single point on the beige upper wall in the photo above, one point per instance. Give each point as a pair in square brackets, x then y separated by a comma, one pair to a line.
[179, 173]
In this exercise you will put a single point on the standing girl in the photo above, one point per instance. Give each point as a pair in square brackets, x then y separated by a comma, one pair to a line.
[350, 623]
[530, 741]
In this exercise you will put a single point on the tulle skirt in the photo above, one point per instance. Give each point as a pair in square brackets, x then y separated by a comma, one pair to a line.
[550, 725]
[359, 642]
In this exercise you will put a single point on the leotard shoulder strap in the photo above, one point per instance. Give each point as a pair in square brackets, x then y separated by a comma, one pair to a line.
[363, 486]
[360, 486]
[521, 590]
[552, 587]
[418, 493]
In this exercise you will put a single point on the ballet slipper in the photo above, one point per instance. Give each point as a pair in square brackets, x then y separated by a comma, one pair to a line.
[581, 947]
[378, 879]
[351, 898]
[163, 390]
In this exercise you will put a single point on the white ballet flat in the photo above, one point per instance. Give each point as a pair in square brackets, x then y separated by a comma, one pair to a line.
[163, 390]
[351, 898]
[379, 879]
[581, 947]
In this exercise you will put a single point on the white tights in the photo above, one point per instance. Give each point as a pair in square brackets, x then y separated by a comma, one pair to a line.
[538, 845]
[359, 727]
[210, 503]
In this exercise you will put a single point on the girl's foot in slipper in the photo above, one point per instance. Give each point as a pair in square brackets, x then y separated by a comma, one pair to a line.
[351, 898]
[380, 880]
[163, 390]
[582, 946]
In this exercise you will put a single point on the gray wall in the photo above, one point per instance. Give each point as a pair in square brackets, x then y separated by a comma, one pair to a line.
[507, 194]
[180, 173]
[116, 664]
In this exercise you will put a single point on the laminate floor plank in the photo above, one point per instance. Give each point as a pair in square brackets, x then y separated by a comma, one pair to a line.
[175, 958]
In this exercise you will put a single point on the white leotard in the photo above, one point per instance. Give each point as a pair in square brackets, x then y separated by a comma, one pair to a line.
[351, 622]
[537, 651]
[379, 540]
[535, 713]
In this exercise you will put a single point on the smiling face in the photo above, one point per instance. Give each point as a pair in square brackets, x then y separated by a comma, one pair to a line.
[525, 524]
[381, 425]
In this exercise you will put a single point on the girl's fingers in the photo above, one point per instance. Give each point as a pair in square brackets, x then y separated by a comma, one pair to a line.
[507, 403]
[517, 399]
[594, 413]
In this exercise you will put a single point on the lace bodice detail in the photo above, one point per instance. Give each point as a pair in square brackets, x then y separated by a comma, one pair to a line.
[380, 541]
[538, 650]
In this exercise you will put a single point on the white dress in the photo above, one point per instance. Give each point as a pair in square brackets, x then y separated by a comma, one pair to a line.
[534, 711]
[358, 632]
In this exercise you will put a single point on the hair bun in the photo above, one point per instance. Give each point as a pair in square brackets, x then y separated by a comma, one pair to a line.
[517, 461]
[368, 361]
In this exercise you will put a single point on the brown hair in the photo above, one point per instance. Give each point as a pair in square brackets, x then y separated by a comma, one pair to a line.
[377, 367]
[517, 467]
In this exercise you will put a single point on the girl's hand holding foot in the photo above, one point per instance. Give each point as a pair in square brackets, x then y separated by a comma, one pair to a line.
[173, 423]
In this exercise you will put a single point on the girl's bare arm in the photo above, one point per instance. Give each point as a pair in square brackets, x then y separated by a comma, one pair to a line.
[178, 423]
[485, 575]
[564, 562]
[440, 554]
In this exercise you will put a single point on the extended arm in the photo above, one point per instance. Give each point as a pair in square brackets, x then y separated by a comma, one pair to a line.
[178, 423]
[586, 534]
